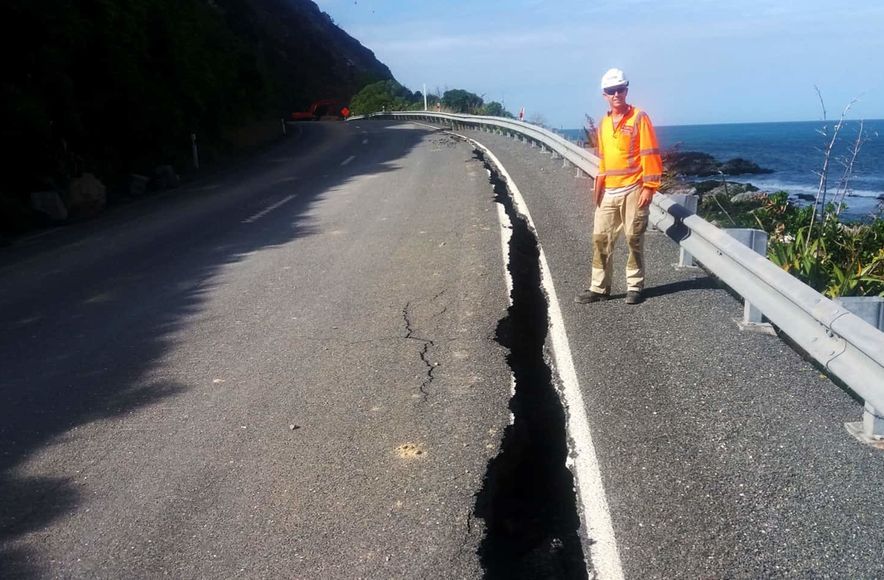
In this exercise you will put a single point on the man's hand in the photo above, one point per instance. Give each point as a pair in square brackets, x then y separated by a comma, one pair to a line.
[644, 199]
[597, 197]
[599, 191]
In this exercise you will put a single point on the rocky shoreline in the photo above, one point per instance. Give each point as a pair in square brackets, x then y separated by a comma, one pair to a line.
[685, 170]
[699, 164]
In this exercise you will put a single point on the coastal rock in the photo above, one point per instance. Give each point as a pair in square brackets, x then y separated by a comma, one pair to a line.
[690, 163]
[679, 188]
[137, 185]
[729, 189]
[86, 195]
[164, 177]
[704, 165]
[750, 197]
[704, 187]
[739, 166]
[49, 203]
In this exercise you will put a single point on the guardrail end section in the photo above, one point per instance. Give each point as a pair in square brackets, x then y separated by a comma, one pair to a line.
[869, 431]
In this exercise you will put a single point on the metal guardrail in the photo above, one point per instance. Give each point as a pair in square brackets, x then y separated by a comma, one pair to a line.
[851, 349]
[586, 161]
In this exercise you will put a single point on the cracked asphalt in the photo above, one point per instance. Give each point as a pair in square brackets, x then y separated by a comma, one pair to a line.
[288, 369]
[723, 453]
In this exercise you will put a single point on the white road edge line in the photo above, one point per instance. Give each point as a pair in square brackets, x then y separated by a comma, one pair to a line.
[347, 160]
[604, 554]
[269, 209]
[506, 234]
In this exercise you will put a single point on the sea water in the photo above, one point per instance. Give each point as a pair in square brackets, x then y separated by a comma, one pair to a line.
[794, 151]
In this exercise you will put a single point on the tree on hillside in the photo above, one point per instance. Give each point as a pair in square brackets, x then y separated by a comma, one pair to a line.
[461, 101]
[496, 109]
[380, 96]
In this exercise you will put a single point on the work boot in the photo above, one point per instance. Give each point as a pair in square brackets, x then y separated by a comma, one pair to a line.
[588, 296]
[634, 297]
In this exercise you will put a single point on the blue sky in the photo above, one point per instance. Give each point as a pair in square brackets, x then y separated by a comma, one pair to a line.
[689, 61]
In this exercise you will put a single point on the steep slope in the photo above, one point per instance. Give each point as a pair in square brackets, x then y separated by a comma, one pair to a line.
[115, 87]
[312, 56]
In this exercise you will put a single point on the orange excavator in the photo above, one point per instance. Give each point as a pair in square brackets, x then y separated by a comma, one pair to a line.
[323, 109]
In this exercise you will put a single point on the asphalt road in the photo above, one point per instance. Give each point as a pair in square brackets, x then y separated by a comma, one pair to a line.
[723, 453]
[300, 367]
[286, 370]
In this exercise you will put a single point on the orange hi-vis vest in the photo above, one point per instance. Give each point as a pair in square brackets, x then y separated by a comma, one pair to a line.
[629, 153]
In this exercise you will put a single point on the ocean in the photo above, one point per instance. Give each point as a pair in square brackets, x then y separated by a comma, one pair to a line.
[793, 151]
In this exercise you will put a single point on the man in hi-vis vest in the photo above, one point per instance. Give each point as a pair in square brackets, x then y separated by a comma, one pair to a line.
[630, 170]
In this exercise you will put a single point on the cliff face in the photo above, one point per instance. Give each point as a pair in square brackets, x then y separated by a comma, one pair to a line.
[310, 56]
[116, 87]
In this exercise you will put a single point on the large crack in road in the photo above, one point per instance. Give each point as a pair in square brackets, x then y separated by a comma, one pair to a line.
[528, 500]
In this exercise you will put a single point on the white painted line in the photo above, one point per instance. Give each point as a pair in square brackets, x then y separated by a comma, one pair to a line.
[604, 554]
[269, 209]
[347, 160]
[506, 234]
[365, 141]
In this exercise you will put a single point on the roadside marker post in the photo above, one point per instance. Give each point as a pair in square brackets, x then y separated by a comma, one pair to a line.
[196, 153]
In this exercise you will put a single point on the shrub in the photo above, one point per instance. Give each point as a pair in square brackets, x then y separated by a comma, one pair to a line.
[838, 260]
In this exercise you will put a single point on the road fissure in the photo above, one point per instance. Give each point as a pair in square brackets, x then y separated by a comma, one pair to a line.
[528, 500]
[409, 335]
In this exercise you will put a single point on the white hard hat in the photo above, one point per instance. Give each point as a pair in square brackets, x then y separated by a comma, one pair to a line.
[614, 78]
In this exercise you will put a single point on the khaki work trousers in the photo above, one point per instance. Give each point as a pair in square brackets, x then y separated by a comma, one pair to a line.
[619, 214]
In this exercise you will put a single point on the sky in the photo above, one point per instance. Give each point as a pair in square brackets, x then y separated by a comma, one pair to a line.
[688, 61]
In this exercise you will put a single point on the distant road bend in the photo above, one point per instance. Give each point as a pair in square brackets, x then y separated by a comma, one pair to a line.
[335, 361]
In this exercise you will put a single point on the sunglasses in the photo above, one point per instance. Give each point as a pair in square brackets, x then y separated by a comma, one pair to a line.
[614, 90]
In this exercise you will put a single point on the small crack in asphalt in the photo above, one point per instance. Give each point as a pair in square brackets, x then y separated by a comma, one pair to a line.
[409, 335]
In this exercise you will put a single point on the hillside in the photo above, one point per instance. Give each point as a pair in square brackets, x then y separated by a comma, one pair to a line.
[312, 57]
[117, 87]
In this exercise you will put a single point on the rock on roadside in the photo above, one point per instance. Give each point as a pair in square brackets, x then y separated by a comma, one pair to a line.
[86, 195]
[50, 204]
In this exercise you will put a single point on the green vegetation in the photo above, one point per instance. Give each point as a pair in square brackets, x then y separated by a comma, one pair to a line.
[384, 96]
[391, 96]
[839, 259]
[461, 101]
[495, 109]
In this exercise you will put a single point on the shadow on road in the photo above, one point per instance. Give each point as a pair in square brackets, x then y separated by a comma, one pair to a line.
[81, 340]
[705, 283]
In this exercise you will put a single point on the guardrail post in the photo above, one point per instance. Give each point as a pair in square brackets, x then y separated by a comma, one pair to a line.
[757, 240]
[689, 202]
[871, 429]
